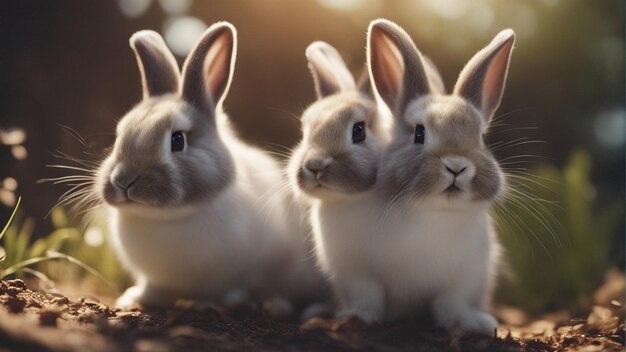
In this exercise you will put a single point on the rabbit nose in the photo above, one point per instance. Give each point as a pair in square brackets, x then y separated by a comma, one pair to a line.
[123, 179]
[455, 172]
[455, 165]
[317, 165]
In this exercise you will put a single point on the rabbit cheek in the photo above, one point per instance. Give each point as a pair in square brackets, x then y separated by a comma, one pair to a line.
[306, 180]
[104, 188]
[425, 176]
[350, 176]
[112, 195]
[488, 182]
[155, 187]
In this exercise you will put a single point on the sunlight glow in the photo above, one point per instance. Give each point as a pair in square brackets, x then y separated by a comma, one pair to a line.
[7, 198]
[94, 237]
[19, 152]
[449, 9]
[133, 8]
[343, 5]
[480, 18]
[10, 184]
[175, 7]
[181, 33]
[609, 128]
[12, 136]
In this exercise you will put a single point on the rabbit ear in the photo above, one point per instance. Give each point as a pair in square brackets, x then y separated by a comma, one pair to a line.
[395, 65]
[158, 67]
[330, 73]
[482, 80]
[208, 70]
[434, 77]
[364, 85]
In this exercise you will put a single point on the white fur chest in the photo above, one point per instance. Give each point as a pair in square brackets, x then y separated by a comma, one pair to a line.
[342, 238]
[189, 251]
[433, 251]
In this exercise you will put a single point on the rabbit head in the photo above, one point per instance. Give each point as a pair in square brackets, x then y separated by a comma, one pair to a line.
[167, 151]
[342, 135]
[437, 151]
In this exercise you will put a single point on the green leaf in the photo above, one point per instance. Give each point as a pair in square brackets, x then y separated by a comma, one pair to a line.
[4, 230]
[54, 241]
[23, 239]
[24, 263]
[94, 272]
[59, 218]
[53, 255]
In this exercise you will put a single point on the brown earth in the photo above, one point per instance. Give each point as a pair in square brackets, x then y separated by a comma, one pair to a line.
[41, 321]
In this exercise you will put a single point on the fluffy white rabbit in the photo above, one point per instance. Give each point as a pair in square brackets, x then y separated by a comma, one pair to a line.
[436, 181]
[188, 201]
[334, 167]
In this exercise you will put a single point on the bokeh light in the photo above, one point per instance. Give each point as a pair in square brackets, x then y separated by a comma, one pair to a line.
[175, 7]
[344, 5]
[609, 128]
[133, 8]
[182, 33]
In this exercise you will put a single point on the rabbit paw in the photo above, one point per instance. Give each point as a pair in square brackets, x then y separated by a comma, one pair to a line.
[348, 324]
[143, 296]
[471, 320]
[278, 308]
[366, 316]
[320, 309]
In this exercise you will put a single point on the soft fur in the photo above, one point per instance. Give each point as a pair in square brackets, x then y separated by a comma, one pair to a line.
[423, 237]
[194, 223]
[336, 175]
[440, 248]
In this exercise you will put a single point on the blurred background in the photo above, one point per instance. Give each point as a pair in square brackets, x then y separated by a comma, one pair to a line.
[559, 131]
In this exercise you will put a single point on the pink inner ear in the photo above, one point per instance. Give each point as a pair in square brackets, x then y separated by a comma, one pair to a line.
[390, 66]
[217, 67]
[495, 78]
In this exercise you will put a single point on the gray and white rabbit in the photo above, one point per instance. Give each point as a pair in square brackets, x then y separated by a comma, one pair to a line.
[436, 182]
[335, 165]
[184, 195]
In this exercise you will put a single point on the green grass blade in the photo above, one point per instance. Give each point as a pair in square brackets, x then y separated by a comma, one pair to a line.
[53, 255]
[17, 205]
[18, 266]
[23, 239]
[39, 275]
[94, 272]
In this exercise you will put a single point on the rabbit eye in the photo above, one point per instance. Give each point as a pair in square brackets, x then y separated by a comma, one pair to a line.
[358, 132]
[178, 141]
[420, 134]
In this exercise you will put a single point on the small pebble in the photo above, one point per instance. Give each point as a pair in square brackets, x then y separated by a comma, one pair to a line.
[61, 301]
[15, 305]
[49, 317]
[16, 283]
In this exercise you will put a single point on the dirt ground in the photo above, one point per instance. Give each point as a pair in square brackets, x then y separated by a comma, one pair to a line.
[41, 321]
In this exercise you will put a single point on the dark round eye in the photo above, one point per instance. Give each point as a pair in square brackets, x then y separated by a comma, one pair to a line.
[358, 132]
[420, 134]
[178, 141]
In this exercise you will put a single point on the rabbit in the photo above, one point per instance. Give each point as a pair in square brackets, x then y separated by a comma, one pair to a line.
[436, 182]
[183, 194]
[334, 167]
